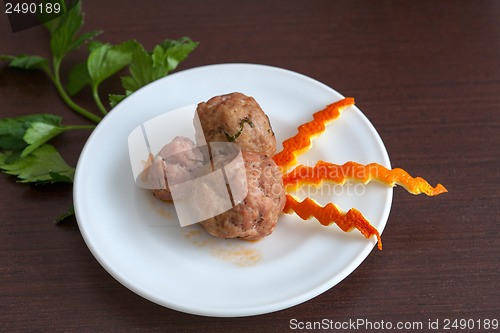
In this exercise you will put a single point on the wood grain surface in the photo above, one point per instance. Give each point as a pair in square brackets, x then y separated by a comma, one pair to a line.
[426, 74]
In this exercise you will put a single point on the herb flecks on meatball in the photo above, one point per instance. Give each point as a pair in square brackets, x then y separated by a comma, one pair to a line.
[235, 118]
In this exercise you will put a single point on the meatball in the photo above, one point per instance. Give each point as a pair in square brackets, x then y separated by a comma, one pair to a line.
[181, 159]
[235, 118]
[257, 216]
[252, 213]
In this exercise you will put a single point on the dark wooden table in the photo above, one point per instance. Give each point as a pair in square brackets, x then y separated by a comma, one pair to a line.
[426, 74]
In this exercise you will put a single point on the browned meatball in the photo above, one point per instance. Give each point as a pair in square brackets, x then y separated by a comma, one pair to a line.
[235, 118]
[257, 215]
[180, 158]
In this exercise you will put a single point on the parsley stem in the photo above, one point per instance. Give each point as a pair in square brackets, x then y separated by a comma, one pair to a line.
[97, 100]
[75, 107]
[77, 127]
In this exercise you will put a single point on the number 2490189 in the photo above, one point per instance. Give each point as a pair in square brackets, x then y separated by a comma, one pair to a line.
[32, 8]
[463, 324]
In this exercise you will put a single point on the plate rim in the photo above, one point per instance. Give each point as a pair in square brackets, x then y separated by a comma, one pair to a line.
[250, 311]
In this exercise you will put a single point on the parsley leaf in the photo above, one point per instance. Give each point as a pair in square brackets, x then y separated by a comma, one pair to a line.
[39, 133]
[22, 135]
[11, 134]
[13, 130]
[43, 165]
[141, 70]
[64, 31]
[170, 53]
[24, 61]
[78, 78]
[105, 61]
[147, 67]
[114, 99]
[69, 213]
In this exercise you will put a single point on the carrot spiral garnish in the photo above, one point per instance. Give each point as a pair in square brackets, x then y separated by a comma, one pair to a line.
[302, 141]
[325, 171]
[330, 214]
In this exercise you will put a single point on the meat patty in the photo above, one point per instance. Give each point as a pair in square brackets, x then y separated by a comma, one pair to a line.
[232, 118]
[235, 118]
[257, 216]
[181, 159]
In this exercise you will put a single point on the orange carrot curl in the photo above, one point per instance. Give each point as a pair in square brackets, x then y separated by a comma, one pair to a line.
[330, 214]
[325, 171]
[302, 141]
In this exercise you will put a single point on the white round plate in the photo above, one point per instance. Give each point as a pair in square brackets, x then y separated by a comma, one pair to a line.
[138, 240]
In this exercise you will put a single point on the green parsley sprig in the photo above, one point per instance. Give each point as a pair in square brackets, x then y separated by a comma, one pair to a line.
[25, 151]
